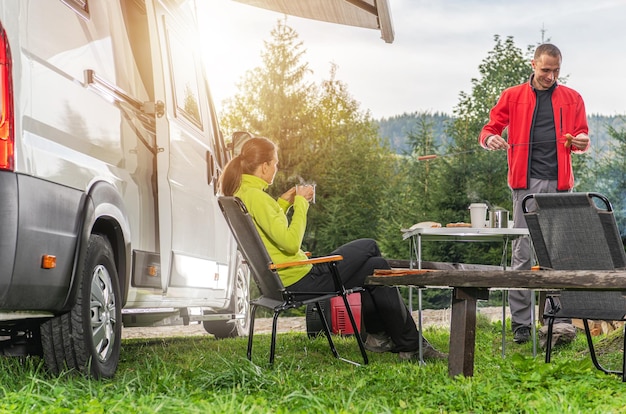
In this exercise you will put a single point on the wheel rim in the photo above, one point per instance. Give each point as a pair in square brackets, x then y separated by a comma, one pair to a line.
[243, 293]
[103, 313]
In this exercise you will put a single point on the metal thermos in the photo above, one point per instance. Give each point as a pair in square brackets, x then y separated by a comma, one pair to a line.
[499, 218]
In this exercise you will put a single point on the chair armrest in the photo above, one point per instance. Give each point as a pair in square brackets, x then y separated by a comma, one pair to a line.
[315, 260]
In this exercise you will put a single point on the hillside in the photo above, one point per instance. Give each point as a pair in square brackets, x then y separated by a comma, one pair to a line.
[397, 129]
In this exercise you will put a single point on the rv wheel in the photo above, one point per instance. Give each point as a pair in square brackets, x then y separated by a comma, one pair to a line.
[88, 337]
[239, 306]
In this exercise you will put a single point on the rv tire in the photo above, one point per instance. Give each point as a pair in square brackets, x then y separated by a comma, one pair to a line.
[87, 339]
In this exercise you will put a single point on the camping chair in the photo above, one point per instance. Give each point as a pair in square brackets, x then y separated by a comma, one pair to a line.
[577, 231]
[274, 295]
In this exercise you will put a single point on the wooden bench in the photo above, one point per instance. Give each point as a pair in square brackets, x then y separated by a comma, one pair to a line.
[471, 285]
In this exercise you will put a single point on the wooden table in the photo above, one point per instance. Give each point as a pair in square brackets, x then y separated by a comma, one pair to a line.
[471, 285]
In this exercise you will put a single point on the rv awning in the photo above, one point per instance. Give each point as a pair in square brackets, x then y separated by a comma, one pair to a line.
[372, 14]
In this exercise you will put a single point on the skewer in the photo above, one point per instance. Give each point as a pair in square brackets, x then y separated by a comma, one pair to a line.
[567, 142]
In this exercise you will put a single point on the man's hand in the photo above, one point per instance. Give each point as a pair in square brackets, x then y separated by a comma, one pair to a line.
[580, 141]
[496, 142]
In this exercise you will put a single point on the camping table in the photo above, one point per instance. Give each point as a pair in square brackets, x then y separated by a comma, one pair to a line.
[466, 234]
[468, 286]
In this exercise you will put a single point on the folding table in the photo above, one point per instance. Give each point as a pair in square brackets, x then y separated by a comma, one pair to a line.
[465, 234]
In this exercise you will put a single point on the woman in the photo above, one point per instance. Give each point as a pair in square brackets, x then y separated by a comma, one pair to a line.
[247, 176]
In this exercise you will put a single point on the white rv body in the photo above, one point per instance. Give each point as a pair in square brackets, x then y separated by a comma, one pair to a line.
[110, 153]
[112, 133]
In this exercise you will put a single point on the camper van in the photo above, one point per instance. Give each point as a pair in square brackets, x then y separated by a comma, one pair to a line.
[110, 153]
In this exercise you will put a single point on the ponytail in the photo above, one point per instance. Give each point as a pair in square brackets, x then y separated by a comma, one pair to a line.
[230, 180]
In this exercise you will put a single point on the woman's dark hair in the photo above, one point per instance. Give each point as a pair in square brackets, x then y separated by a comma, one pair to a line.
[254, 152]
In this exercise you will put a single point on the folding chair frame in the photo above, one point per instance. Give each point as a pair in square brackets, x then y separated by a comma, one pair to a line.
[274, 295]
[551, 316]
[613, 257]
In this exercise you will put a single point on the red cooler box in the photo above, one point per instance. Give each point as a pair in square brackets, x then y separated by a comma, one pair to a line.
[340, 320]
[336, 315]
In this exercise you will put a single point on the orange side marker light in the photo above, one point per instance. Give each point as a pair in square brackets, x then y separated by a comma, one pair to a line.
[48, 261]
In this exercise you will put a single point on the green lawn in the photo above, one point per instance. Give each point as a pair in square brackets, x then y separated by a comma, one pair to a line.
[204, 375]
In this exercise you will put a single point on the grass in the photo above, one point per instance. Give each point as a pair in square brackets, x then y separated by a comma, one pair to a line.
[204, 375]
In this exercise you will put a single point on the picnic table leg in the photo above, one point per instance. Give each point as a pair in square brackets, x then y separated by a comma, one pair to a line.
[463, 330]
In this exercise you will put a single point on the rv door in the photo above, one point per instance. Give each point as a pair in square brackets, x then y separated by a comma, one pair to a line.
[192, 232]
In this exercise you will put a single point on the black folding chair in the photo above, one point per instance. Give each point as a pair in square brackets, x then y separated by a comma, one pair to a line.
[274, 295]
[577, 231]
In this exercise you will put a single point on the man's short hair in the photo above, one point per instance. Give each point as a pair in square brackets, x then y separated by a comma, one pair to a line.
[547, 49]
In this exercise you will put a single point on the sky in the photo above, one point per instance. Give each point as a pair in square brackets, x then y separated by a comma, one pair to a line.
[438, 47]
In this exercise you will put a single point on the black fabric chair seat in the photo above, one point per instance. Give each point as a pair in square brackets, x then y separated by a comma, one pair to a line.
[594, 305]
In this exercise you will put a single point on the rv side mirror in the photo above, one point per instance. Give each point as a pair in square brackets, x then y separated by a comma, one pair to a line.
[238, 138]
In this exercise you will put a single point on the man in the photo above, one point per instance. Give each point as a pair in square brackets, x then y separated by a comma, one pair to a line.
[546, 123]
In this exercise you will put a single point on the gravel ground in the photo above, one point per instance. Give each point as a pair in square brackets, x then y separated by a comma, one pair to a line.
[430, 317]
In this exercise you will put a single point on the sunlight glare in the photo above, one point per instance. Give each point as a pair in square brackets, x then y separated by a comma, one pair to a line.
[224, 40]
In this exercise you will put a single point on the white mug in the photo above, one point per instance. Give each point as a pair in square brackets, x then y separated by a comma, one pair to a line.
[308, 185]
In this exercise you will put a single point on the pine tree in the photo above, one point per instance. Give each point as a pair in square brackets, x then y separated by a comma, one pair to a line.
[610, 176]
[467, 172]
[323, 137]
[274, 100]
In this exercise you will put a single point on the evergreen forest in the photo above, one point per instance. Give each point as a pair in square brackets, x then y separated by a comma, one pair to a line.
[371, 175]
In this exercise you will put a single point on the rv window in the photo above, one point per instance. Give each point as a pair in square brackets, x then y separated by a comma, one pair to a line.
[183, 64]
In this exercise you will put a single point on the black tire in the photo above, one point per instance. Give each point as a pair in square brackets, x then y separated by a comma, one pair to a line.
[239, 305]
[88, 338]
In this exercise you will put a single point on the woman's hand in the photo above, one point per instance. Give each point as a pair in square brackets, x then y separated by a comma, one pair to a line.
[289, 195]
[307, 191]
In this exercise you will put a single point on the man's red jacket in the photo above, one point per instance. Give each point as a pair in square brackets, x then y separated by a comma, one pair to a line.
[516, 110]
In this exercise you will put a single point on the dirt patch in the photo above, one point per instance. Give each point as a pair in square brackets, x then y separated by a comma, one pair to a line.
[430, 317]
